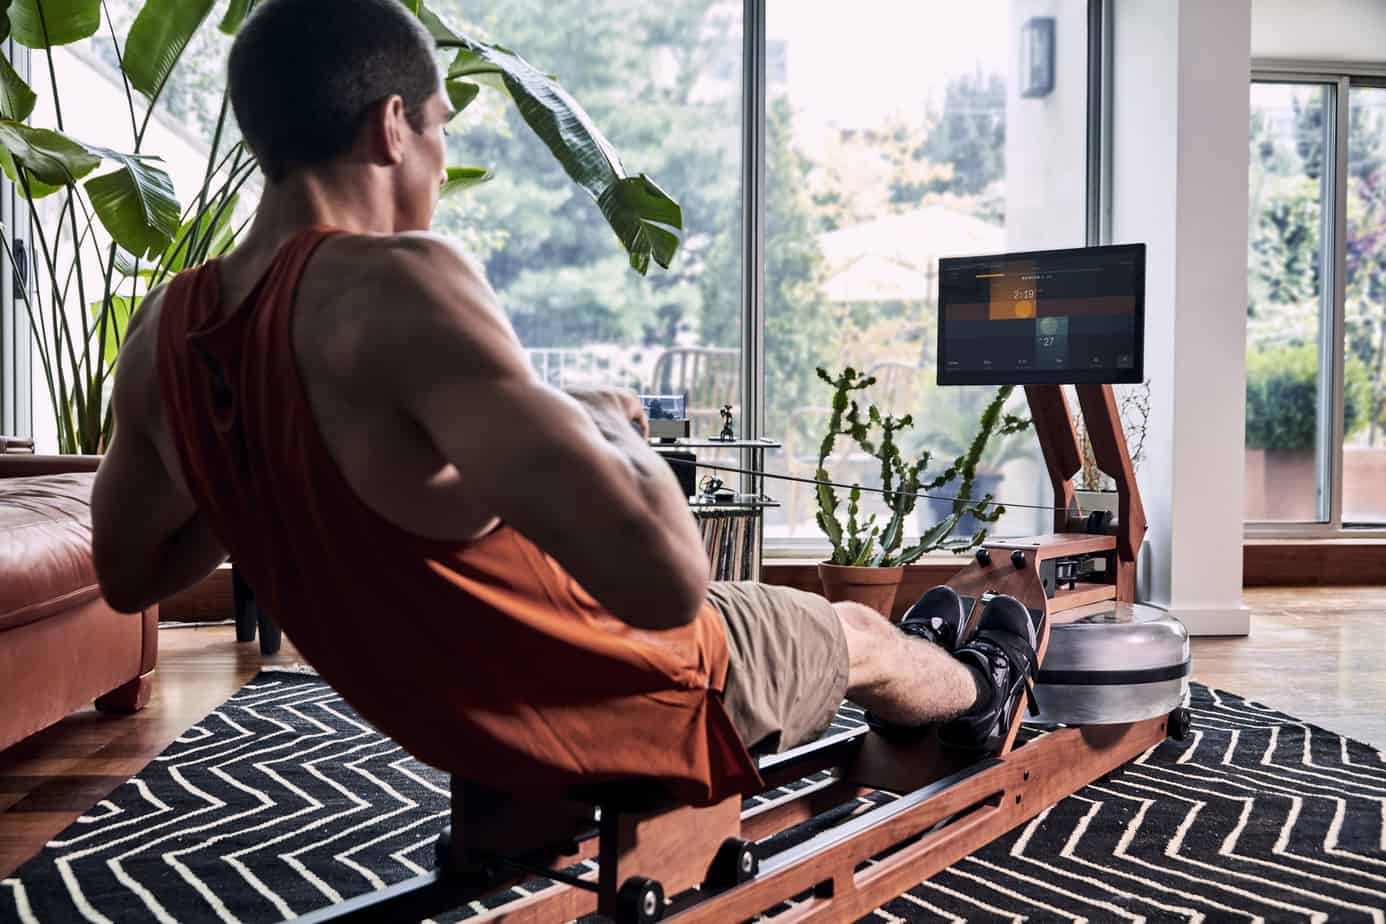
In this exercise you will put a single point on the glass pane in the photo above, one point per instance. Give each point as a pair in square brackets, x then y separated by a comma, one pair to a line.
[1364, 349]
[932, 137]
[1289, 141]
[663, 81]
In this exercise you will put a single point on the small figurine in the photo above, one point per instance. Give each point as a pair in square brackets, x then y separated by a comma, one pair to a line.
[710, 485]
[727, 435]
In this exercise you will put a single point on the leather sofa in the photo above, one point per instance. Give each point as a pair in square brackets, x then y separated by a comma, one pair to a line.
[61, 646]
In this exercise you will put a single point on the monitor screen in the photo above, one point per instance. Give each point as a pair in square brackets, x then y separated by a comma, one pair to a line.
[1048, 317]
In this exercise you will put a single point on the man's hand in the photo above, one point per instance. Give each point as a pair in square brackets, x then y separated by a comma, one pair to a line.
[610, 407]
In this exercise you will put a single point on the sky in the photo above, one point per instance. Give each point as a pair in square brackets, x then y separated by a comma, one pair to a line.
[857, 62]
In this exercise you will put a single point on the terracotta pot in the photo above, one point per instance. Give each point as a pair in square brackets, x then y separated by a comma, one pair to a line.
[873, 587]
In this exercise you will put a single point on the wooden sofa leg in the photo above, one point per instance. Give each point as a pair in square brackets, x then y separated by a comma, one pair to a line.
[129, 697]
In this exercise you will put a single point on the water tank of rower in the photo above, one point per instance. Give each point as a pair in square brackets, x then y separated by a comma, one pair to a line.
[1113, 662]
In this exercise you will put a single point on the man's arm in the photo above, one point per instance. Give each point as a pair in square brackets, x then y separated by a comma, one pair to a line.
[149, 541]
[575, 478]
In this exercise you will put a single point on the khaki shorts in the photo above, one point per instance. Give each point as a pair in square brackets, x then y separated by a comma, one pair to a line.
[788, 670]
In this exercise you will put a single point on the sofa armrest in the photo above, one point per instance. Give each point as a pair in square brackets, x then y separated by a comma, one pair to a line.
[15, 444]
[18, 465]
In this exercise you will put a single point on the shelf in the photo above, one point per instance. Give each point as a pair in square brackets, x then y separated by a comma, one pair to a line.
[693, 443]
[741, 503]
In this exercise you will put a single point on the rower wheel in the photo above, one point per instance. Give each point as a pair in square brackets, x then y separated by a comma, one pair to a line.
[1180, 723]
[736, 862]
[640, 901]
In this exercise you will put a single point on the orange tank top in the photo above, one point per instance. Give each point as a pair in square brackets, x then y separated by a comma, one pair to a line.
[484, 659]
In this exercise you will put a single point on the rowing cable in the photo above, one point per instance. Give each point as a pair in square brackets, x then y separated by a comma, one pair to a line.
[848, 487]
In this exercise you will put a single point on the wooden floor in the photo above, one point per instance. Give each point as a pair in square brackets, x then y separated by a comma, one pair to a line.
[1317, 653]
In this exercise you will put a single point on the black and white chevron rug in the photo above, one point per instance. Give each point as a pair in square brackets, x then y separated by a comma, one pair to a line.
[282, 801]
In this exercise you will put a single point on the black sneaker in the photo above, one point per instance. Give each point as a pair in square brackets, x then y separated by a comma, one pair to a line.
[938, 617]
[1002, 652]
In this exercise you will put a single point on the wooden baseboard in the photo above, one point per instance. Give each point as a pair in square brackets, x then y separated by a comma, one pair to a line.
[1311, 563]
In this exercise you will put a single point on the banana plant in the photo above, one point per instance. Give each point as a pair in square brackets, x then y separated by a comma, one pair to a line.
[118, 229]
[869, 543]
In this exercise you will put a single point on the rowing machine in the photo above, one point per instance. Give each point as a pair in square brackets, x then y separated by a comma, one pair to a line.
[655, 860]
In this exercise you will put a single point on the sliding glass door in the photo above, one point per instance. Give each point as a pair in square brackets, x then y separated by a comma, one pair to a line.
[1316, 308]
[1287, 308]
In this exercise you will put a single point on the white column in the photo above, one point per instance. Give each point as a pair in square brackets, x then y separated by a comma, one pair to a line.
[1179, 183]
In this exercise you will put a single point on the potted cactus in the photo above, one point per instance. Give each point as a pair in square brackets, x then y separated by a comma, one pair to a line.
[869, 556]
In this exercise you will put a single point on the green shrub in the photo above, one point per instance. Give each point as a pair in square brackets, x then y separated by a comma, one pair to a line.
[1282, 397]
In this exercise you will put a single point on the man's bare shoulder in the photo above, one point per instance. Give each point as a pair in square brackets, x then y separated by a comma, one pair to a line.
[422, 294]
[430, 270]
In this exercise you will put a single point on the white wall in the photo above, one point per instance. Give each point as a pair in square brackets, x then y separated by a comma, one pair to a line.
[1046, 137]
[1327, 30]
[1179, 183]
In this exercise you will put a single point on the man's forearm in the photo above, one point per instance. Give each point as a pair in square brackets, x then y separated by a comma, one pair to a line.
[665, 532]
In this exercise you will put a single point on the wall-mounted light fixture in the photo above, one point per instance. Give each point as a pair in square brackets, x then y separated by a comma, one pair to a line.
[1037, 57]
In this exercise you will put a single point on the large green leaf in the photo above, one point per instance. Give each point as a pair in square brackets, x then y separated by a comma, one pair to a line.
[157, 39]
[50, 160]
[236, 13]
[4, 19]
[16, 98]
[644, 217]
[214, 236]
[116, 323]
[136, 204]
[435, 26]
[61, 21]
[461, 93]
[461, 178]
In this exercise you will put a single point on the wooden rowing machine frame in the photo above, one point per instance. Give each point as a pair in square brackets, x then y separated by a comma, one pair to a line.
[714, 863]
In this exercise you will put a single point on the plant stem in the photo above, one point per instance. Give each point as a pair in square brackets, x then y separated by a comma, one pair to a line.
[211, 161]
[67, 442]
[120, 65]
[52, 71]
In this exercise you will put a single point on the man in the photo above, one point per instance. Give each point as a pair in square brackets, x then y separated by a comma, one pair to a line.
[501, 576]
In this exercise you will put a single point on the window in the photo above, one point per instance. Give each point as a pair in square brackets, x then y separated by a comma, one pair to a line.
[1290, 185]
[959, 129]
[1316, 312]
[664, 81]
[918, 142]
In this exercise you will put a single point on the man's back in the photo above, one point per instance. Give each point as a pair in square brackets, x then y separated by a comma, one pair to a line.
[425, 634]
[348, 359]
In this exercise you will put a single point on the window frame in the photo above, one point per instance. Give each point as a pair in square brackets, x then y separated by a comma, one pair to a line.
[1340, 77]
[16, 370]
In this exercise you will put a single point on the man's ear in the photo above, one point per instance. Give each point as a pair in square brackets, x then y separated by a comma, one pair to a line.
[385, 132]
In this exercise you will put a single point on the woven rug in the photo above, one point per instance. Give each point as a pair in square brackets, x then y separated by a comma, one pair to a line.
[283, 800]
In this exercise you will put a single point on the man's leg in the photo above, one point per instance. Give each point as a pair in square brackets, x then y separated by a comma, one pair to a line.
[902, 679]
[794, 656]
